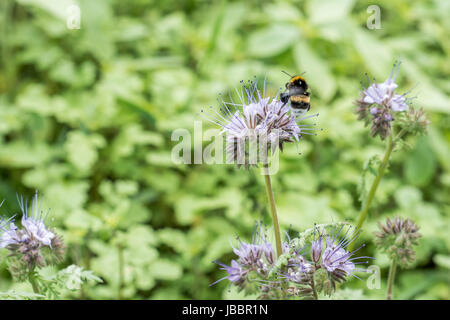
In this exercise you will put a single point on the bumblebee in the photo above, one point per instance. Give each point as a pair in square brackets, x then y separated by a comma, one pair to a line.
[297, 93]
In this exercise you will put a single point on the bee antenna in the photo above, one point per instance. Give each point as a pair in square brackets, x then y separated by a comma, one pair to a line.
[286, 73]
[303, 73]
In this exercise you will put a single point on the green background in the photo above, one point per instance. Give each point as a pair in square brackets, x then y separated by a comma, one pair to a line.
[86, 118]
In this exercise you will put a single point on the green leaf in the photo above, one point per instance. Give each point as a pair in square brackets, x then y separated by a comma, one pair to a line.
[165, 270]
[377, 57]
[173, 238]
[17, 295]
[420, 166]
[442, 260]
[428, 94]
[82, 149]
[79, 219]
[328, 11]
[318, 74]
[407, 197]
[233, 293]
[272, 40]
[58, 8]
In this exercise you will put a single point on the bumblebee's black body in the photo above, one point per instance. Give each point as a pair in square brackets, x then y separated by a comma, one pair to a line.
[297, 93]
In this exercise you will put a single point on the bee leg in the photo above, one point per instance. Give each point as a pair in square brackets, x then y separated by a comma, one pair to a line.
[284, 97]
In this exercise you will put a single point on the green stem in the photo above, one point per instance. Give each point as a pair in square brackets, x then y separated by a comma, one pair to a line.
[120, 285]
[273, 210]
[391, 279]
[376, 182]
[6, 54]
[365, 210]
[313, 287]
[33, 282]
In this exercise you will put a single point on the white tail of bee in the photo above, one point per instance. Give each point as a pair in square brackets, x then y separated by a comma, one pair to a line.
[298, 112]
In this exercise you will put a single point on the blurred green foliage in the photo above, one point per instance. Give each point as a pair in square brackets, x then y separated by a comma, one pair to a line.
[86, 117]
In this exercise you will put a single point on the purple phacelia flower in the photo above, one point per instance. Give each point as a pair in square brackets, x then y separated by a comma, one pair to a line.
[383, 94]
[249, 254]
[11, 236]
[309, 265]
[28, 241]
[33, 222]
[269, 252]
[336, 260]
[261, 121]
[257, 256]
[316, 249]
[236, 274]
[299, 269]
[330, 263]
[380, 101]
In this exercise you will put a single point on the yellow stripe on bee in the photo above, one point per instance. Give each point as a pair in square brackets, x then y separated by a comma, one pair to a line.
[300, 98]
[297, 78]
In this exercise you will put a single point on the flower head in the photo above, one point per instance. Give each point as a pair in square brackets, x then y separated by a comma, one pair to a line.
[256, 125]
[397, 237]
[294, 273]
[381, 101]
[316, 248]
[249, 254]
[236, 274]
[329, 262]
[28, 242]
[33, 222]
[329, 253]
[383, 94]
[298, 269]
[336, 260]
[257, 256]
[9, 234]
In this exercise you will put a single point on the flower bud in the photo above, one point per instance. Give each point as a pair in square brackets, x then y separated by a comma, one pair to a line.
[316, 249]
[415, 121]
[397, 238]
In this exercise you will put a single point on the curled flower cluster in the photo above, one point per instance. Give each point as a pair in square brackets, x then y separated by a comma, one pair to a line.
[257, 125]
[28, 243]
[379, 102]
[302, 271]
[330, 262]
[397, 237]
[253, 259]
[415, 121]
